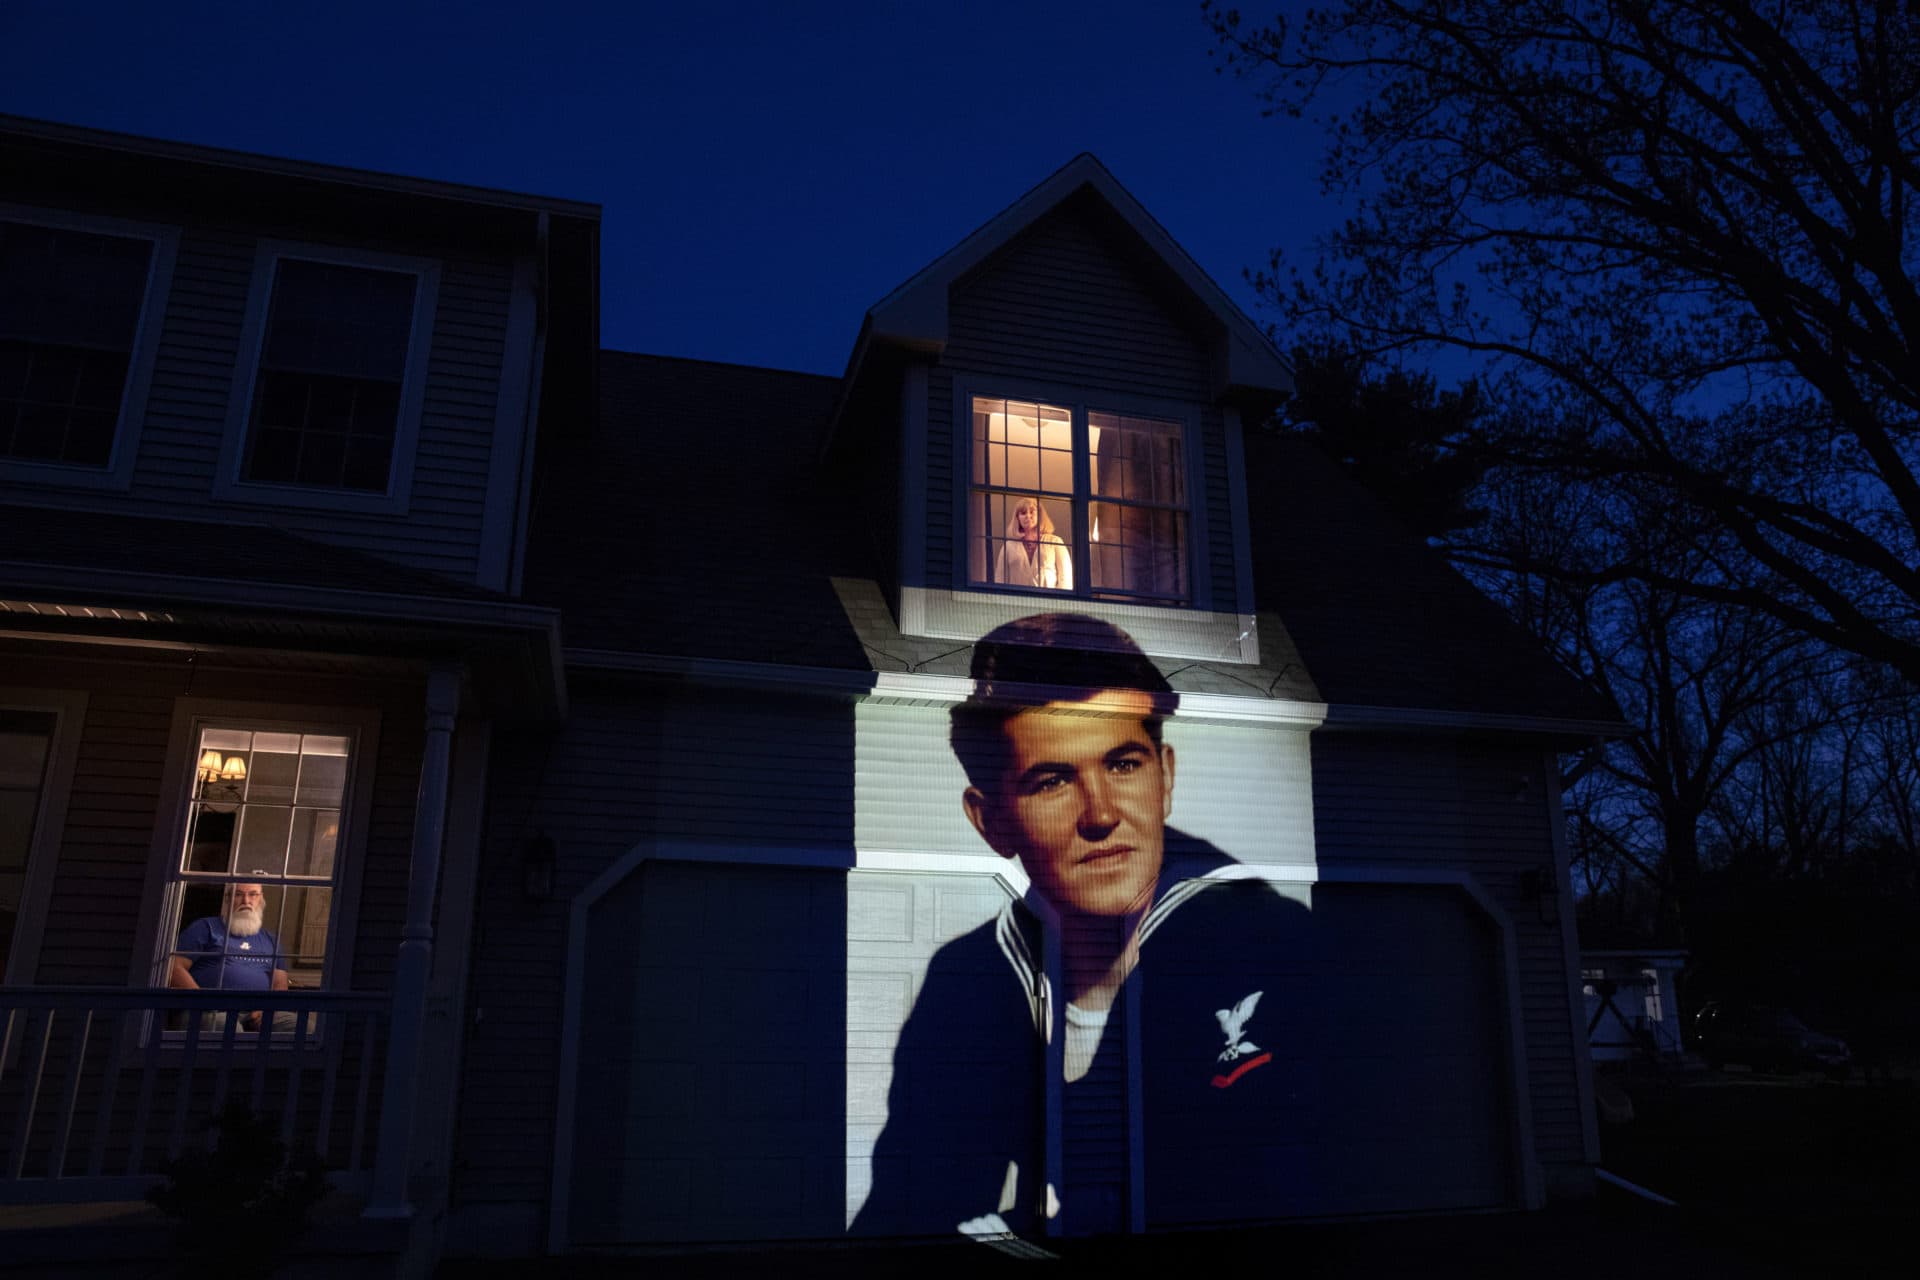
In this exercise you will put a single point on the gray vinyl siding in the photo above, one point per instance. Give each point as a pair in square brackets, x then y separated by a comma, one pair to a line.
[941, 481]
[93, 913]
[199, 357]
[193, 371]
[1214, 490]
[642, 766]
[1481, 808]
[1061, 305]
[882, 475]
[107, 842]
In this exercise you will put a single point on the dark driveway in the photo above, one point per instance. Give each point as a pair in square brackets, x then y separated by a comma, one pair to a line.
[1774, 1177]
[1608, 1239]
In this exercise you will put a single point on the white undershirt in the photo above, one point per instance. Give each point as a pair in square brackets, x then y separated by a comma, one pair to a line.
[1084, 1029]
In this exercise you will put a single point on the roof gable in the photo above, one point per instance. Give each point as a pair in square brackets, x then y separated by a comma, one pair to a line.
[915, 315]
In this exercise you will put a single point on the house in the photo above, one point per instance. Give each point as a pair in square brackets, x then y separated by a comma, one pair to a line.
[263, 473]
[634, 837]
[1632, 1002]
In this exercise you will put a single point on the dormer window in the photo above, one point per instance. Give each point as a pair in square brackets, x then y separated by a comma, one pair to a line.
[79, 305]
[326, 400]
[326, 411]
[1078, 499]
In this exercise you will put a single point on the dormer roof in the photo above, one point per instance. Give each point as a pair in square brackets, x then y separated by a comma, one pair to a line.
[914, 317]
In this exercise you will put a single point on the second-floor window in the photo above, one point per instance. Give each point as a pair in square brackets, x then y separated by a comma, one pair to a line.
[70, 304]
[1078, 500]
[329, 391]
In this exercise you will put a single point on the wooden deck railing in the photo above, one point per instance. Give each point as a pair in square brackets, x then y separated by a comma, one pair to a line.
[99, 1088]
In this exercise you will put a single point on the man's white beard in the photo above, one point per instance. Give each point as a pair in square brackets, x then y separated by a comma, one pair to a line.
[244, 923]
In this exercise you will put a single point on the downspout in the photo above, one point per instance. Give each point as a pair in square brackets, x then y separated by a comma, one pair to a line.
[523, 500]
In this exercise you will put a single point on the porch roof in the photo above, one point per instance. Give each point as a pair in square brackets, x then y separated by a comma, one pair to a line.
[89, 575]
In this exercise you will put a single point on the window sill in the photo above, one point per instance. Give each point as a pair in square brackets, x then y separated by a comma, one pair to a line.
[65, 475]
[292, 495]
[1196, 634]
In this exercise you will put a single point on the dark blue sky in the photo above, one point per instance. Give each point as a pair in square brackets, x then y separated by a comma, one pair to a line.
[767, 170]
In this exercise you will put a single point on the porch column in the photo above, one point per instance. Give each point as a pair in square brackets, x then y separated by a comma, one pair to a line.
[394, 1157]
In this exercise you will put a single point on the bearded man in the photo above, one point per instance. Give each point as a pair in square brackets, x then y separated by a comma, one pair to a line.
[232, 954]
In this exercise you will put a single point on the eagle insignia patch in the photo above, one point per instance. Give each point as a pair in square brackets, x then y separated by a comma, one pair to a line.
[1240, 1050]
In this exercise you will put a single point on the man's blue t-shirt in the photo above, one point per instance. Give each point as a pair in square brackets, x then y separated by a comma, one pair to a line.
[220, 961]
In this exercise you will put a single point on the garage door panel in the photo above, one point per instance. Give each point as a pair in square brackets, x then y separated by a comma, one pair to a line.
[741, 1047]
[878, 1003]
[1236, 1182]
[712, 1057]
[880, 913]
[962, 904]
[1384, 1090]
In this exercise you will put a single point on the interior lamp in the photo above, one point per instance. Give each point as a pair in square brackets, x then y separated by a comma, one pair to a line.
[234, 770]
[209, 765]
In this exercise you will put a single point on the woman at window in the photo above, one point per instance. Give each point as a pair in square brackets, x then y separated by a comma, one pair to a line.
[1032, 555]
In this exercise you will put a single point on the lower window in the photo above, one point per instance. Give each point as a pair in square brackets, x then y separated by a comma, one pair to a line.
[251, 897]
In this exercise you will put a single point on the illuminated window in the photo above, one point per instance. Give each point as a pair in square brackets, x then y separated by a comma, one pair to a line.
[1079, 500]
[333, 364]
[70, 307]
[265, 808]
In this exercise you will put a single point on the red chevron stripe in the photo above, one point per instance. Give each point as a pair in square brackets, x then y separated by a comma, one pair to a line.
[1226, 1082]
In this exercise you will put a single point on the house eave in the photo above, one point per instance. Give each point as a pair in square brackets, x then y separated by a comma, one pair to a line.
[52, 132]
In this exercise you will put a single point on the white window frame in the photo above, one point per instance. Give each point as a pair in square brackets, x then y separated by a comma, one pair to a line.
[69, 709]
[155, 940]
[228, 483]
[945, 605]
[1079, 404]
[118, 471]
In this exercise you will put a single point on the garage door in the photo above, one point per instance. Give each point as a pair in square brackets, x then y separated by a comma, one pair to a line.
[737, 1047]
[1346, 1059]
[741, 1052]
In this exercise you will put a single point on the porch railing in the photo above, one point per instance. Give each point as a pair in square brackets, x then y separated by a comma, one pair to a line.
[99, 1088]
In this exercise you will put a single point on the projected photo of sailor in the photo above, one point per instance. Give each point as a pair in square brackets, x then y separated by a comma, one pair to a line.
[1142, 981]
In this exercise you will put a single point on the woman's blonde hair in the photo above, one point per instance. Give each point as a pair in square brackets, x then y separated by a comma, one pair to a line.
[1044, 524]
